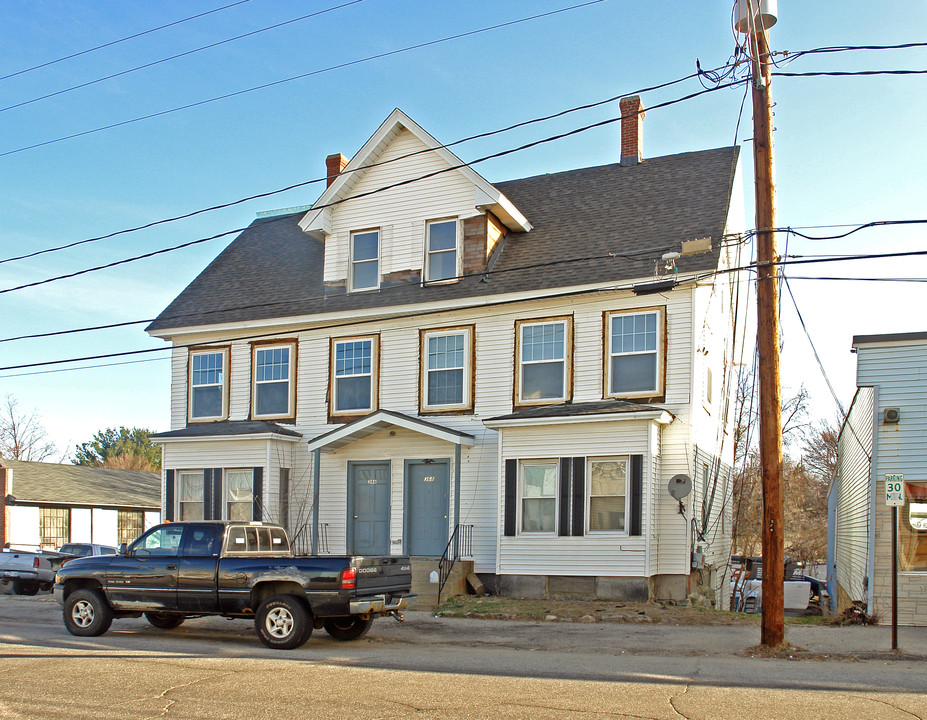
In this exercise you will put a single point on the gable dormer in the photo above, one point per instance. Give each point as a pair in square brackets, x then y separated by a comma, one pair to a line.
[405, 209]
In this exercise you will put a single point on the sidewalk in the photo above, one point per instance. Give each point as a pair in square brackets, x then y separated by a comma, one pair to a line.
[810, 641]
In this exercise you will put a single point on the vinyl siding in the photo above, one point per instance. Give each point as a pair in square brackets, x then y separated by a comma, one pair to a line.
[854, 449]
[401, 212]
[899, 371]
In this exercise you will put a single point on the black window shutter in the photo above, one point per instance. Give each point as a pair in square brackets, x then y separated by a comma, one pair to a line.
[207, 494]
[579, 495]
[563, 526]
[511, 495]
[637, 494]
[169, 495]
[257, 512]
[216, 495]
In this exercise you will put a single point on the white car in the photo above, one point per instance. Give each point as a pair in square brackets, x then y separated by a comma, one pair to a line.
[85, 549]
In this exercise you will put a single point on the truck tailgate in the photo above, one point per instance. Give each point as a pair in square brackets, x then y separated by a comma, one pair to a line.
[383, 574]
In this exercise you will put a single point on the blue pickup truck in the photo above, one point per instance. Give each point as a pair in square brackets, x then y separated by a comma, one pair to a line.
[237, 570]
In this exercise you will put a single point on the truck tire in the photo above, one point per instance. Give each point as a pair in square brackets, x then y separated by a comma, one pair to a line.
[164, 621]
[282, 622]
[351, 627]
[87, 614]
[25, 587]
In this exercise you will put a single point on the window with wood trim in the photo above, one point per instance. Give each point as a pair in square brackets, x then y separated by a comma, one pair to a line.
[608, 481]
[447, 369]
[543, 360]
[54, 526]
[239, 495]
[634, 353]
[130, 525]
[208, 383]
[442, 243]
[190, 495]
[365, 260]
[354, 375]
[274, 386]
[912, 528]
[538, 490]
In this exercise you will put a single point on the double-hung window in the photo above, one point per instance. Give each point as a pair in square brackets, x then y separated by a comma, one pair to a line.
[608, 479]
[239, 494]
[447, 358]
[273, 392]
[354, 375]
[543, 350]
[190, 495]
[441, 250]
[365, 260]
[635, 353]
[539, 495]
[207, 399]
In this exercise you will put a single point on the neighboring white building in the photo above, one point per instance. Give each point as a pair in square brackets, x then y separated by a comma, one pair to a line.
[49, 504]
[527, 363]
[885, 433]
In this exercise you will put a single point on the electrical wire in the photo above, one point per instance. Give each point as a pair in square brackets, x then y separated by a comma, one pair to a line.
[849, 73]
[814, 350]
[400, 183]
[301, 76]
[177, 56]
[479, 136]
[121, 40]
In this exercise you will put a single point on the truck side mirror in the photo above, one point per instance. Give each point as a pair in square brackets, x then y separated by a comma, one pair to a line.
[121, 548]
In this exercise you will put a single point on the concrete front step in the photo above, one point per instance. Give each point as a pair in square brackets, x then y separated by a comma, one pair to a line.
[427, 591]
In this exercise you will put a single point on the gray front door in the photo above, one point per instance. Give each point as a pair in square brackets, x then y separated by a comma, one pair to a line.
[427, 487]
[368, 508]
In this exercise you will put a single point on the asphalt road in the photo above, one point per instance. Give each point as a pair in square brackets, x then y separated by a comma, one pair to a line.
[450, 668]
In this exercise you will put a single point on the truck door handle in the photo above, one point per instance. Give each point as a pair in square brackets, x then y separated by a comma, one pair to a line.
[171, 567]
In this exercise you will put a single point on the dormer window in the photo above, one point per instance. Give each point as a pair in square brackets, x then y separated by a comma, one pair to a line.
[441, 243]
[365, 260]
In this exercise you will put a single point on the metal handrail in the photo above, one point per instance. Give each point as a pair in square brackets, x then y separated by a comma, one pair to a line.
[459, 546]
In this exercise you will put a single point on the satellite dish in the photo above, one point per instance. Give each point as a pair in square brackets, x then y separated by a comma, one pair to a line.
[679, 486]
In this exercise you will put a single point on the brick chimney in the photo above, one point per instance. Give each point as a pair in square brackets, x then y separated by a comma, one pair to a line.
[632, 136]
[334, 164]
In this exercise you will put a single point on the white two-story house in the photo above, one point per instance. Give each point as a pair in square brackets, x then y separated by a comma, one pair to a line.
[520, 367]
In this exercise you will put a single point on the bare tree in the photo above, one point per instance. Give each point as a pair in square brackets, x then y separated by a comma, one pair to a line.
[22, 436]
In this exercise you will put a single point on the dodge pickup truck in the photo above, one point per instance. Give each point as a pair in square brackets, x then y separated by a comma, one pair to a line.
[29, 571]
[243, 570]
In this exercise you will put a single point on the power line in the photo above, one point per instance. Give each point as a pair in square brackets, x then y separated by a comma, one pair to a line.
[850, 73]
[814, 350]
[645, 252]
[175, 57]
[122, 40]
[299, 77]
[375, 191]
[479, 136]
[418, 313]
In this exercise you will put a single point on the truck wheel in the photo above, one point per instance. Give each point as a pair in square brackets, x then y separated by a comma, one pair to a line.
[164, 621]
[282, 622]
[25, 587]
[87, 614]
[351, 627]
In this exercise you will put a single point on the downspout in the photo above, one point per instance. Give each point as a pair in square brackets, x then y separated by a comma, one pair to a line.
[316, 466]
[457, 484]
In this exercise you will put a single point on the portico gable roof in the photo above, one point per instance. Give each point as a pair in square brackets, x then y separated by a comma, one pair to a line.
[380, 420]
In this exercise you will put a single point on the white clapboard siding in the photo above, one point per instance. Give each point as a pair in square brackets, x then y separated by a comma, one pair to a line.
[232, 453]
[854, 496]
[480, 472]
[591, 554]
[240, 377]
[400, 212]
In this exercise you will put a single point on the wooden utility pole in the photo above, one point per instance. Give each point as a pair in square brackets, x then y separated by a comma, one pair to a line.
[767, 338]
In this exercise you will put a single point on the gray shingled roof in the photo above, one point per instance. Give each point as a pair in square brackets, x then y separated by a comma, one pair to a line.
[227, 428]
[596, 407]
[273, 269]
[82, 485]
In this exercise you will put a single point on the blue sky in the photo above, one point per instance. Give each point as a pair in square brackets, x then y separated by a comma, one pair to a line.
[848, 150]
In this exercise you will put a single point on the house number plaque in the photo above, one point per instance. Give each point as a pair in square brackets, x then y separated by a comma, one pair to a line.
[428, 478]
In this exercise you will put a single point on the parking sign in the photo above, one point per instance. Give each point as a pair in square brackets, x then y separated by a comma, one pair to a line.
[894, 490]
